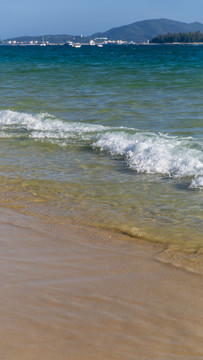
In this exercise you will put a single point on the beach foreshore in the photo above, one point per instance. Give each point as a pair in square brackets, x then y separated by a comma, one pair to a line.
[80, 293]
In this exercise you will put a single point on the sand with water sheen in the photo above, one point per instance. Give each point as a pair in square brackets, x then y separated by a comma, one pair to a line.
[74, 293]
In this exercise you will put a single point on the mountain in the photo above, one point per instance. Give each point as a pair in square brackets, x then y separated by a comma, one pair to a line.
[142, 31]
[139, 32]
[56, 39]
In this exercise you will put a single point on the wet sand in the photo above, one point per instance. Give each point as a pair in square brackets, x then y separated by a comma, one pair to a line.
[75, 293]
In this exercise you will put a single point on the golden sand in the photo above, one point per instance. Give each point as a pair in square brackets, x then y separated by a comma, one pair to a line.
[76, 294]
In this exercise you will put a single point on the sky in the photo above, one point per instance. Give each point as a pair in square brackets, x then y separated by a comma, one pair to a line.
[76, 17]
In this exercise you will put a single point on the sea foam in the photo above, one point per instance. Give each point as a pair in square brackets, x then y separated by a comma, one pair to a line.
[151, 153]
[143, 151]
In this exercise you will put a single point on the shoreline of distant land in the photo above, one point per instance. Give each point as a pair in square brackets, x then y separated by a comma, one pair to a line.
[79, 45]
[179, 38]
[137, 33]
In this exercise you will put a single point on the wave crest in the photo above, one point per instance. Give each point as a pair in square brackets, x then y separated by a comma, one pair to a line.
[144, 152]
[157, 153]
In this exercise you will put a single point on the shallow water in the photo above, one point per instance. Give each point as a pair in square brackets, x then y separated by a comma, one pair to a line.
[107, 136]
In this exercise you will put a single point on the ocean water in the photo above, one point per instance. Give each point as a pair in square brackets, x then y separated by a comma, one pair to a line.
[111, 137]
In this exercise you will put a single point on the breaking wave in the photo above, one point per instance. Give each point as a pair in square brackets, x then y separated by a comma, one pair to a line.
[157, 153]
[144, 152]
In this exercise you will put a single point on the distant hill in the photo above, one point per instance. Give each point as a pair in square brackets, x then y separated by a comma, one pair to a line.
[139, 32]
[57, 39]
[142, 31]
[190, 37]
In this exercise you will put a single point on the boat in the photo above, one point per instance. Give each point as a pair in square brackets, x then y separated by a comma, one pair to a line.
[43, 43]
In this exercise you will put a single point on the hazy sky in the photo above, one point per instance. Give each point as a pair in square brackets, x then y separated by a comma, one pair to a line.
[36, 17]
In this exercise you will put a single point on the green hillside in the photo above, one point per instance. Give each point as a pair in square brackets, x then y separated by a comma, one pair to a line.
[140, 31]
[56, 39]
[169, 38]
[145, 30]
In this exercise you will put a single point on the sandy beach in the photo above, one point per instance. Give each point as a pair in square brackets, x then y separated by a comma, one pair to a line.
[79, 293]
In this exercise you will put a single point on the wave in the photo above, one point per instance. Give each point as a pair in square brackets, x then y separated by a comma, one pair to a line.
[153, 153]
[144, 151]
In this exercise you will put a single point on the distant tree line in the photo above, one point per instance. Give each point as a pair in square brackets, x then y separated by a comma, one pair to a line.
[189, 37]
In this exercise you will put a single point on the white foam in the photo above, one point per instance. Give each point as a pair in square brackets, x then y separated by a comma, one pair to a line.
[46, 123]
[144, 152]
[197, 182]
[156, 153]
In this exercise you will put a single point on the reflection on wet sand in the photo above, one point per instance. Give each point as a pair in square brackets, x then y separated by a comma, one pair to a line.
[74, 293]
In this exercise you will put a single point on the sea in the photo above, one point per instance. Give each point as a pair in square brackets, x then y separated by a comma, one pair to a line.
[107, 137]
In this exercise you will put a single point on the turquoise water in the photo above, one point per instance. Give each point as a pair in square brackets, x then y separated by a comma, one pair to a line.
[108, 136]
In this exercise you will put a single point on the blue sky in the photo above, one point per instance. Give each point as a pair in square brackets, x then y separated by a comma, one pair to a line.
[36, 17]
